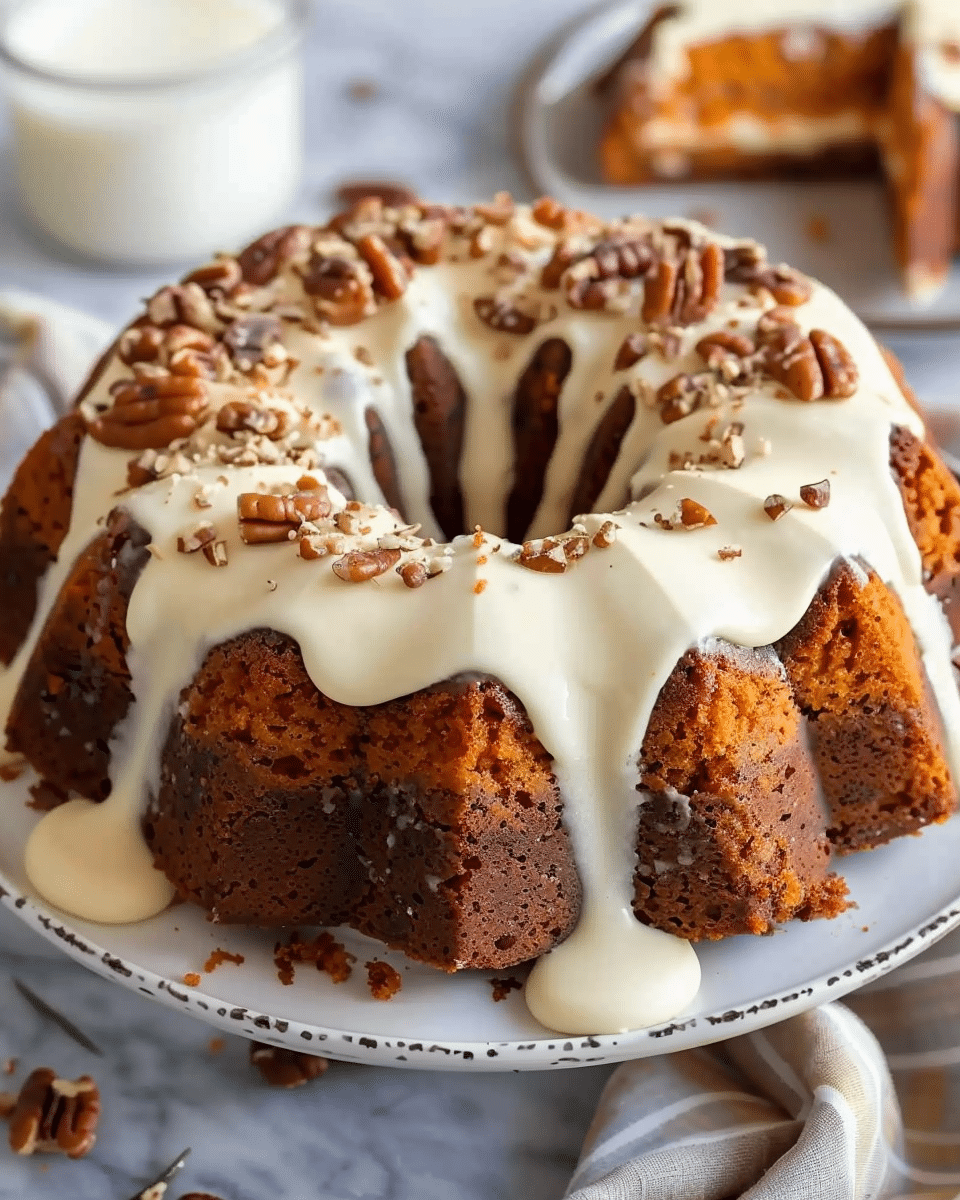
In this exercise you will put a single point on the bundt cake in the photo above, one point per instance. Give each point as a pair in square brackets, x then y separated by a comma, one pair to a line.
[714, 90]
[500, 582]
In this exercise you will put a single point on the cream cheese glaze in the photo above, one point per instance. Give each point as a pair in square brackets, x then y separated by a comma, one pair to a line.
[586, 650]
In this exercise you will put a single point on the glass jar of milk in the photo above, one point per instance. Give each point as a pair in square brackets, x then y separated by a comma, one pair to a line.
[152, 131]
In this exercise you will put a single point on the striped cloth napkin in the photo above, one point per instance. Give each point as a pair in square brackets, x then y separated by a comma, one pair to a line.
[847, 1102]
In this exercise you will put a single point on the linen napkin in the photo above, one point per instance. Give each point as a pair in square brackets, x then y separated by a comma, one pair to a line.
[846, 1102]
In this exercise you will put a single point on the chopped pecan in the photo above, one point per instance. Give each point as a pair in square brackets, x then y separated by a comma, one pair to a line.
[606, 535]
[245, 416]
[262, 260]
[285, 1068]
[503, 316]
[698, 284]
[791, 359]
[250, 338]
[634, 347]
[564, 256]
[497, 211]
[681, 395]
[55, 1115]
[216, 554]
[342, 289]
[775, 506]
[552, 555]
[360, 565]
[264, 518]
[197, 538]
[694, 515]
[389, 276]
[816, 495]
[726, 553]
[840, 374]
[413, 574]
[151, 414]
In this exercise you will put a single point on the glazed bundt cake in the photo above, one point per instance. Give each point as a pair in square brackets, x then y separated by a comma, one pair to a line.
[811, 89]
[497, 581]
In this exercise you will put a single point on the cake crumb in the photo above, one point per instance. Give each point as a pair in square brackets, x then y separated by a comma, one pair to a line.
[503, 987]
[818, 229]
[10, 1066]
[215, 1045]
[324, 951]
[383, 981]
[726, 553]
[191, 979]
[221, 956]
[13, 769]
[362, 90]
[479, 587]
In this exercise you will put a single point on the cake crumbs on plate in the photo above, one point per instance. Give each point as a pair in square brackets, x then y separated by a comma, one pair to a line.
[324, 951]
[503, 986]
[383, 980]
[221, 956]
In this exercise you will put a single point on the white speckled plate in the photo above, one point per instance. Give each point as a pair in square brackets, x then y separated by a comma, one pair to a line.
[908, 895]
[560, 120]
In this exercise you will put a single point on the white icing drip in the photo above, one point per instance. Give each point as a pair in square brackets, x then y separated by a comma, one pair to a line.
[586, 652]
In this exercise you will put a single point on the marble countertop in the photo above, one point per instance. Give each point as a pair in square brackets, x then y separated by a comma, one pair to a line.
[436, 115]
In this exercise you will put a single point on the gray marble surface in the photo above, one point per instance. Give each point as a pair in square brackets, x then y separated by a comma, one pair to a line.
[438, 117]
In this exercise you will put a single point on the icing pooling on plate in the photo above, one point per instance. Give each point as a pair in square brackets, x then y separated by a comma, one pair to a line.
[586, 651]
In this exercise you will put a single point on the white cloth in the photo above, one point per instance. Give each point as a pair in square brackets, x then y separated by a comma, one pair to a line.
[804, 1110]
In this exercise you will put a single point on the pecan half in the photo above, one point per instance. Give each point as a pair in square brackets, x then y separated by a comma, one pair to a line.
[54, 1115]
[149, 415]
[342, 289]
[389, 275]
[218, 277]
[140, 343]
[786, 285]
[743, 261]
[263, 259]
[840, 374]
[360, 565]
[285, 1068]
[789, 357]
[264, 518]
[716, 347]
[503, 316]
[244, 416]
[549, 212]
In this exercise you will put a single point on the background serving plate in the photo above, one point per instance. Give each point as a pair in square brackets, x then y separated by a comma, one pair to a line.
[837, 232]
[908, 896]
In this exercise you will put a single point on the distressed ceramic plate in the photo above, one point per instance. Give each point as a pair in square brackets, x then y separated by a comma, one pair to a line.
[838, 232]
[908, 895]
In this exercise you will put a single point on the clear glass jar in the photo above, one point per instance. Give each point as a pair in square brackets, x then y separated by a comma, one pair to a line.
[146, 143]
